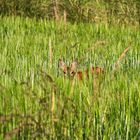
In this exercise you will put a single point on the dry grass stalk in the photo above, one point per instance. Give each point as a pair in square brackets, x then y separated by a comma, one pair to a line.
[56, 11]
[52, 113]
[4, 118]
[50, 54]
[46, 76]
[27, 121]
[53, 102]
[121, 57]
[97, 44]
[65, 19]
[95, 87]
[15, 131]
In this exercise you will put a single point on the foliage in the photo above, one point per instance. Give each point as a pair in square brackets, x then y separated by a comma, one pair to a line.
[36, 102]
[110, 11]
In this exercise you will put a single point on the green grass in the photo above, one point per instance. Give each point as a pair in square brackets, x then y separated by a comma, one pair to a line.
[31, 84]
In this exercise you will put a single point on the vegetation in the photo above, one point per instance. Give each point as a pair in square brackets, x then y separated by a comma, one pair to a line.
[37, 102]
[106, 11]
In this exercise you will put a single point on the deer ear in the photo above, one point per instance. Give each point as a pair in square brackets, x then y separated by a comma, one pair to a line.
[74, 65]
[61, 64]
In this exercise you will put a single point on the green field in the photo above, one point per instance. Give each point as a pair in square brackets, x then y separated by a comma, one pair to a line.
[37, 102]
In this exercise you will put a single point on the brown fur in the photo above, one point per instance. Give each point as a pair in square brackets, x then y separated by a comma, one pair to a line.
[72, 72]
[97, 70]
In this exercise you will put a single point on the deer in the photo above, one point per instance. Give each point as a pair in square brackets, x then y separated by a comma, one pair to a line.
[71, 71]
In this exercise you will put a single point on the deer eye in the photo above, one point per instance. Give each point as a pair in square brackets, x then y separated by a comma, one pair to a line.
[72, 72]
[64, 72]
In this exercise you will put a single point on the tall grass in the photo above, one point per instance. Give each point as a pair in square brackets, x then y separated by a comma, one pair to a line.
[36, 102]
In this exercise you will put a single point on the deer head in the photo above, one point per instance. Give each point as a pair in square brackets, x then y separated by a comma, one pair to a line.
[68, 71]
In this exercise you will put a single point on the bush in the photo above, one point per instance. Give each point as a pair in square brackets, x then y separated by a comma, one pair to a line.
[122, 11]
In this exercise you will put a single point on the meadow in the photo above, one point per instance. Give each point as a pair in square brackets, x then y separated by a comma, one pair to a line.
[37, 102]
